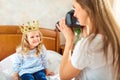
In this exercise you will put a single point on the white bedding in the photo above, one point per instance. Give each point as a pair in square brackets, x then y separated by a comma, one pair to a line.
[54, 60]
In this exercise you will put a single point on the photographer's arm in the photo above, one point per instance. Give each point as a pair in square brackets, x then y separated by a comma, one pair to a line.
[67, 71]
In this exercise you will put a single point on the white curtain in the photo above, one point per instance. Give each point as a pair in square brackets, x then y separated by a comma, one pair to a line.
[116, 9]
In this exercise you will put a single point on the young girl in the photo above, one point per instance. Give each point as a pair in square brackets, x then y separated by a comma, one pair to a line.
[96, 56]
[30, 60]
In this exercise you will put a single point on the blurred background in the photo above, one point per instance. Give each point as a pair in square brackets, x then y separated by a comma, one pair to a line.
[48, 12]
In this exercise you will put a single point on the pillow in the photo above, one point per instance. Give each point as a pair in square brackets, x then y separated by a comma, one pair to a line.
[54, 60]
[2, 77]
[53, 57]
[6, 68]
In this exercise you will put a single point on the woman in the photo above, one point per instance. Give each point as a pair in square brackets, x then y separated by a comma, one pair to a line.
[96, 56]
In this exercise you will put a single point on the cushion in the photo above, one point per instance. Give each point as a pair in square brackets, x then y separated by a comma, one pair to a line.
[53, 57]
[54, 60]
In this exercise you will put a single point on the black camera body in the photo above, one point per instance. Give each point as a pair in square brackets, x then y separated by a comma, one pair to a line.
[70, 20]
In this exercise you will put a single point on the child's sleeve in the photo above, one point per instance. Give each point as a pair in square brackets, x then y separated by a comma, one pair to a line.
[17, 62]
[44, 58]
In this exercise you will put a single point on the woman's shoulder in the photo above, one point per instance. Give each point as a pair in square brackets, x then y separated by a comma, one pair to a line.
[92, 42]
[92, 38]
[98, 38]
[96, 43]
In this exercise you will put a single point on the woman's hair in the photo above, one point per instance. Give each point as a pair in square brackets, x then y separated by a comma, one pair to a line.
[102, 19]
[25, 44]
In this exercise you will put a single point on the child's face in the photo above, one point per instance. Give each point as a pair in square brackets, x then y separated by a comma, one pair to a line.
[33, 38]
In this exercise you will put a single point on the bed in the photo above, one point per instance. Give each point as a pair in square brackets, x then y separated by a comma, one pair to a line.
[10, 37]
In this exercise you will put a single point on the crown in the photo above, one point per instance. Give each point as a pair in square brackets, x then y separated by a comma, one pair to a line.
[30, 26]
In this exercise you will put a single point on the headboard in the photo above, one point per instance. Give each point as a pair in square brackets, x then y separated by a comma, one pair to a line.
[10, 38]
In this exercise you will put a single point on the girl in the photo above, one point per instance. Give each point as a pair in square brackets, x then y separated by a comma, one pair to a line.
[96, 56]
[30, 60]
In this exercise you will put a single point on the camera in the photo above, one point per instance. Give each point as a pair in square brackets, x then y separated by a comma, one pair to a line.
[70, 20]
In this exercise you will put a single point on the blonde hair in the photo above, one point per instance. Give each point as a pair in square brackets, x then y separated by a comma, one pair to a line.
[100, 13]
[25, 45]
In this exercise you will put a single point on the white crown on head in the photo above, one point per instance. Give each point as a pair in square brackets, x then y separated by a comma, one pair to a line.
[31, 26]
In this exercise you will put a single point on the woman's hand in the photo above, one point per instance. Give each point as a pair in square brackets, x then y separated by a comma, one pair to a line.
[15, 76]
[49, 73]
[67, 31]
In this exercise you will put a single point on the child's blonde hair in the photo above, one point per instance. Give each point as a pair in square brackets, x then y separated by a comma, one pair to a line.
[24, 46]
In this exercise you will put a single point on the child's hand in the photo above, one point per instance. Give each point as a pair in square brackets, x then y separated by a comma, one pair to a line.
[49, 73]
[15, 76]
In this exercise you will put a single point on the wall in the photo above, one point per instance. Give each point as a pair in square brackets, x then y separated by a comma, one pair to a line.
[48, 12]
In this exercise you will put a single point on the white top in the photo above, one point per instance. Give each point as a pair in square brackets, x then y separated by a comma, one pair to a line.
[30, 63]
[89, 59]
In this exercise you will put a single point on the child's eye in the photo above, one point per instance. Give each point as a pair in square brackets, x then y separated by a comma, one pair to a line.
[37, 36]
[32, 37]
